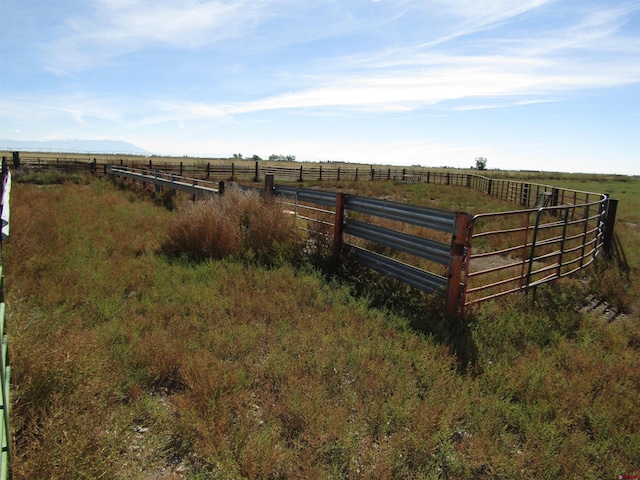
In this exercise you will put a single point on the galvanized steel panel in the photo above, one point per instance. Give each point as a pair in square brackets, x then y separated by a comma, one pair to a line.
[418, 246]
[175, 185]
[415, 277]
[308, 195]
[441, 220]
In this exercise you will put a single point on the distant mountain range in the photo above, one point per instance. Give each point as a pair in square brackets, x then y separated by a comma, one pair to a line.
[72, 146]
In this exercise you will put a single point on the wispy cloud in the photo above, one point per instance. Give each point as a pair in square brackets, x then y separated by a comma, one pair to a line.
[521, 69]
[80, 108]
[117, 27]
[107, 29]
[588, 52]
[504, 79]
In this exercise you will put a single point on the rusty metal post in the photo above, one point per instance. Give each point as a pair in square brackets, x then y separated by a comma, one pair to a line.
[338, 229]
[609, 223]
[458, 242]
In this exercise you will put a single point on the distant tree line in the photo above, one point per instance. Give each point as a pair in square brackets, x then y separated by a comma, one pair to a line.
[274, 157]
[282, 158]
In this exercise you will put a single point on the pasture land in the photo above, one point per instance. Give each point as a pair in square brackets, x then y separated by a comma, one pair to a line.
[128, 363]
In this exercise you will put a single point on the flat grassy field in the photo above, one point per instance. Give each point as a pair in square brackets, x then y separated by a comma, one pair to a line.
[129, 362]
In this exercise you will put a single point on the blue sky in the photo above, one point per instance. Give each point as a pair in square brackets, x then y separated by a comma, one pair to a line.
[528, 84]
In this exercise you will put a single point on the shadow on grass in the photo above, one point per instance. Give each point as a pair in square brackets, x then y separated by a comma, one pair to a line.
[423, 312]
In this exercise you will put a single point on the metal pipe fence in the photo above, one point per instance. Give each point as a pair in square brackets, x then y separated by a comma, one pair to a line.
[467, 260]
[513, 251]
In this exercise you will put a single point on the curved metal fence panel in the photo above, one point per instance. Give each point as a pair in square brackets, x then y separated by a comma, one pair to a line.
[513, 251]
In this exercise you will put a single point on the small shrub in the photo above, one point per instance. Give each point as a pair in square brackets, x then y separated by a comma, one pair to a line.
[240, 224]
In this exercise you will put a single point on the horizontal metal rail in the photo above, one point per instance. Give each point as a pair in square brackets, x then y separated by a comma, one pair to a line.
[420, 247]
[415, 277]
[320, 197]
[431, 218]
[160, 179]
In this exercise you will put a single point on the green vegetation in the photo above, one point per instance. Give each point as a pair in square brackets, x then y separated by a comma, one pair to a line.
[49, 177]
[131, 363]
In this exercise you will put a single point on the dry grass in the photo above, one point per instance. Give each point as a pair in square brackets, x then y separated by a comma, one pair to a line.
[127, 364]
[240, 223]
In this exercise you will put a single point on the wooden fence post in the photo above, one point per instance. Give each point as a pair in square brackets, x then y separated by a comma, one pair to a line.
[554, 196]
[300, 179]
[338, 229]
[208, 169]
[221, 188]
[268, 184]
[255, 177]
[454, 286]
[525, 195]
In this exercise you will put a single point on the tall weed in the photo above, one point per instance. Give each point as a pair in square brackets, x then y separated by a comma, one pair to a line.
[240, 224]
